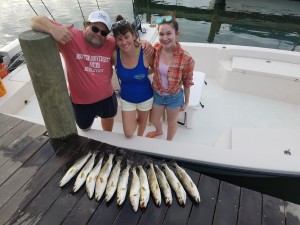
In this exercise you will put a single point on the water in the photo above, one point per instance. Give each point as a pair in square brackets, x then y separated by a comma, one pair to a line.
[261, 23]
[267, 23]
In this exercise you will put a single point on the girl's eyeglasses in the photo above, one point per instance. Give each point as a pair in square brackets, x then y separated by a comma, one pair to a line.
[102, 32]
[119, 23]
[162, 19]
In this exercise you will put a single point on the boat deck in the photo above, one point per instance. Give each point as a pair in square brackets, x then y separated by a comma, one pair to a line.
[31, 166]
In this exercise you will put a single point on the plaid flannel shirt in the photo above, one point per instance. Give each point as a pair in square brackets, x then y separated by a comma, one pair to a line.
[180, 71]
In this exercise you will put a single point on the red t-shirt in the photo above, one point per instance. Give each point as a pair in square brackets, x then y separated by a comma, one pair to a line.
[89, 69]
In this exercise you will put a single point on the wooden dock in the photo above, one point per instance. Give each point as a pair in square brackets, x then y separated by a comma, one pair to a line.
[31, 166]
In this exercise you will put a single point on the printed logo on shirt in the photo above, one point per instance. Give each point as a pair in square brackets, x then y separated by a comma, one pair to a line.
[94, 62]
[139, 76]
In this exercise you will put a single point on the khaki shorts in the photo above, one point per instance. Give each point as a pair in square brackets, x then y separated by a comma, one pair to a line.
[143, 106]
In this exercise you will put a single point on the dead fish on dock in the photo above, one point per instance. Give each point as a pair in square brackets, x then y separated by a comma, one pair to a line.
[81, 178]
[153, 183]
[187, 182]
[123, 183]
[164, 186]
[103, 176]
[113, 180]
[134, 193]
[91, 178]
[175, 184]
[144, 189]
[74, 169]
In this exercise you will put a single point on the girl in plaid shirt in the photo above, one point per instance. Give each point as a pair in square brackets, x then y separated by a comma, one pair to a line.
[173, 69]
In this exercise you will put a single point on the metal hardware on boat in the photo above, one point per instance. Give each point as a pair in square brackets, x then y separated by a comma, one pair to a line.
[268, 61]
[287, 152]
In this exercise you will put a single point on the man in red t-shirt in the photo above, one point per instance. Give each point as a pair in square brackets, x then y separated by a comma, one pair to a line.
[87, 54]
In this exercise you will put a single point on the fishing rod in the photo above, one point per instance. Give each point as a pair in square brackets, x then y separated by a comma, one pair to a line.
[31, 7]
[81, 10]
[98, 4]
[47, 10]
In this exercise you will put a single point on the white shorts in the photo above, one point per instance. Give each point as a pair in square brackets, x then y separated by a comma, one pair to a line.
[143, 106]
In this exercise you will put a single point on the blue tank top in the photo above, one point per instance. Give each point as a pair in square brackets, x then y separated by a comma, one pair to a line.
[135, 83]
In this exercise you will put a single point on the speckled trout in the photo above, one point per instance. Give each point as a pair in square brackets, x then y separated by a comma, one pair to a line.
[103, 176]
[164, 186]
[123, 183]
[175, 184]
[74, 169]
[91, 178]
[81, 178]
[187, 182]
[113, 179]
[134, 193]
[153, 183]
[144, 189]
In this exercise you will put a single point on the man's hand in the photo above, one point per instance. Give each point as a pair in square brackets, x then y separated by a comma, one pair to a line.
[62, 33]
[147, 47]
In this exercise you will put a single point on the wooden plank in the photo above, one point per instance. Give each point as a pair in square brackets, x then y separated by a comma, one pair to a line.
[25, 173]
[153, 214]
[64, 204]
[28, 192]
[85, 207]
[176, 213]
[208, 188]
[273, 213]
[8, 124]
[33, 213]
[227, 204]
[20, 142]
[3, 118]
[17, 160]
[250, 208]
[33, 132]
[105, 213]
[292, 214]
[126, 215]
[12, 134]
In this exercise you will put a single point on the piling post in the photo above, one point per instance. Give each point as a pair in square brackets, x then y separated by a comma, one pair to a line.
[49, 83]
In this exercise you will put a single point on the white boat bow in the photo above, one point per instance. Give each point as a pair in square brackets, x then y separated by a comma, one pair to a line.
[250, 121]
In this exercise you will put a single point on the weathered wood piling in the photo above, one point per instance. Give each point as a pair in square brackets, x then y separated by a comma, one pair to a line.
[47, 75]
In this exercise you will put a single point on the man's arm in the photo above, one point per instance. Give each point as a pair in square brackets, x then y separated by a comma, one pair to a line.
[59, 33]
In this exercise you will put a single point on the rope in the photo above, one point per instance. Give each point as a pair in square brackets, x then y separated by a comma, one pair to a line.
[81, 10]
[98, 4]
[31, 7]
[47, 10]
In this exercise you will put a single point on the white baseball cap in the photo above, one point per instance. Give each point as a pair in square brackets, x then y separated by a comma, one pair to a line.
[100, 16]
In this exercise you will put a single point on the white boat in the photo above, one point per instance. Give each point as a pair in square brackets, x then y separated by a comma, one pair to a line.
[250, 122]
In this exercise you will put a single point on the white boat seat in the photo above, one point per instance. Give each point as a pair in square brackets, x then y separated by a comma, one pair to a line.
[187, 117]
[265, 67]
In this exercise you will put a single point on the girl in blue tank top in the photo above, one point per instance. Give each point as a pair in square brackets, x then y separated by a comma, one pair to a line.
[132, 67]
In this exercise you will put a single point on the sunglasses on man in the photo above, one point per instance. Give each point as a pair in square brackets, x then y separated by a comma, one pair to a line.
[97, 30]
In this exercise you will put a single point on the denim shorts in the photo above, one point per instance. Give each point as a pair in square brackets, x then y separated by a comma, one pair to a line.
[173, 101]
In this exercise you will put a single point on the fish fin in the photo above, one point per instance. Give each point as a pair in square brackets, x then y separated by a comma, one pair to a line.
[119, 158]
[101, 155]
[111, 151]
[130, 162]
[173, 163]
